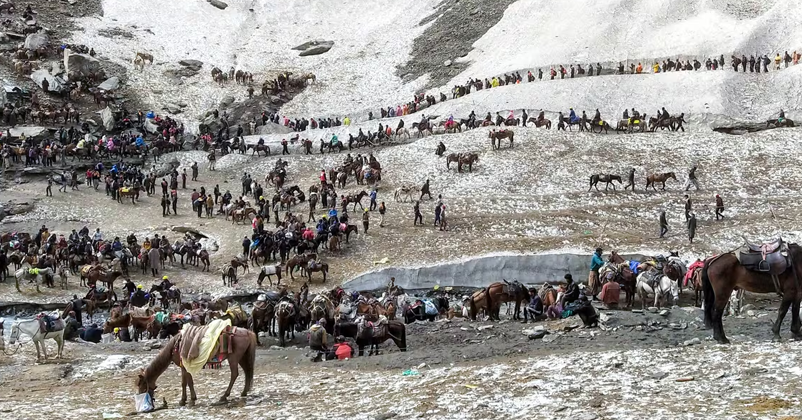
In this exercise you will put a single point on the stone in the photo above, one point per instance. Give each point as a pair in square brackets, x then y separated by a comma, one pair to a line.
[194, 65]
[664, 312]
[320, 49]
[187, 229]
[658, 375]
[652, 309]
[385, 416]
[55, 84]
[484, 327]
[692, 342]
[749, 313]
[271, 128]
[112, 83]
[79, 65]
[447, 63]
[150, 126]
[637, 311]
[218, 4]
[310, 44]
[226, 101]
[533, 330]
[173, 108]
[538, 335]
[476, 11]
[107, 116]
[36, 41]
[585, 416]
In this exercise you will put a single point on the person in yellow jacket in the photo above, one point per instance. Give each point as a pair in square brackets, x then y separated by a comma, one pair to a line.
[146, 244]
[777, 61]
[346, 121]
[656, 68]
[494, 82]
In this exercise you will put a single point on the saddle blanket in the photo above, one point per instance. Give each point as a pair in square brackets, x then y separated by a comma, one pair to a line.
[49, 323]
[430, 308]
[199, 345]
[237, 314]
[125, 190]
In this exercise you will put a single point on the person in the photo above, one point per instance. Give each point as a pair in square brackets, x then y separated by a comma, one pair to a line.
[663, 223]
[184, 179]
[687, 207]
[443, 223]
[165, 202]
[596, 262]
[71, 327]
[373, 199]
[719, 207]
[318, 339]
[122, 334]
[49, 189]
[691, 227]
[382, 210]
[418, 214]
[610, 293]
[631, 178]
[92, 334]
[781, 117]
[154, 259]
[96, 237]
[365, 220]
[572, 118]
[342, 349]
[246, 246]
[194, 168]
[571, 291]
[535, 307]
[77, 306]
[692, 179]
[586, 312]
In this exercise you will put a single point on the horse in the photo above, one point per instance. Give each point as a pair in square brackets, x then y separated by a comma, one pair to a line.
[237, 263]
[724, 273]
[258, 149]
[356, 199]
[32, 328]
[606, 178]
[243, 353]
[322, 308]
[496, 136]
[203, 256]
[601, 125]
[491, 298]
[26, 274]
[675, 269]
[313, 266]
[653, 179]
[776, 123]
[662, 289]
[405, 193]
[285, 320]
[262, 318]
[229, 275]
[623, 275]
[349, 230]
[268, 271]
[395, 330]
[696, 284]
[300, 260]
[545, 122]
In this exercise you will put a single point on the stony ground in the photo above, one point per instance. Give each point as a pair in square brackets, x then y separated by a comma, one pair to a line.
[635, 365]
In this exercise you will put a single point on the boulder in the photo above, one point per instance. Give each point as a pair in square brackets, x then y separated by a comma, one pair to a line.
[30, 131]
[150, 126]
[447, 63]
[35, 41]
[112, 83]
[226, 101]
[107, 116]
[186, 229]
[218, 4]
[173, 108]
[315, 47]
[271, 128]
[78, 65]
[55, 83]
[194, 65]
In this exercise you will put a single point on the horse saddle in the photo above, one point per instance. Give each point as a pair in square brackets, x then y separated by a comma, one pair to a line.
[50, 323]
[767, 257]
[237, 314]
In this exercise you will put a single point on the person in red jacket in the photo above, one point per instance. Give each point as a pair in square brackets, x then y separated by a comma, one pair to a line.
[342, 349]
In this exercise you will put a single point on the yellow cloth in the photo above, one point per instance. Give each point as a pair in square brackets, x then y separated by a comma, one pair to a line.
[207, 345]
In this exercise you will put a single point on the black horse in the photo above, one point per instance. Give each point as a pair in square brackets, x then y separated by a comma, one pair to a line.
[395, 330]
[606, 178]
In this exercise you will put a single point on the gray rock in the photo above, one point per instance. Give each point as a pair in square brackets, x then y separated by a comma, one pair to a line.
[187, 229]
[226, 101]
[538, 335]
[749, 313]
[218, 4]
[316, 47]
[385, 416]
[585, 416]
[692, 342]
[29, 131]
[173, 108]
[150, 126]
[658, 375]
[475, 11]
[107, 116]
[271, 128]
[55, 83]
[35, 41]
[194, 65]
[80, 65]
[664, 312]
[112, 83]
[652, 309]
[447, 63]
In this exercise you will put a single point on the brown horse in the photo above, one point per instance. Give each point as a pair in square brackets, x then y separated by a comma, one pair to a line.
[262, 319]
[313, 267]
[653, 179]
[236, 263]
[624, 276]
[491, 298]
[696, 284]
[497, 136]
[299, 260]
[724, 273]
[541, 123]
[243, 353]
[128, 320]
[356, 199]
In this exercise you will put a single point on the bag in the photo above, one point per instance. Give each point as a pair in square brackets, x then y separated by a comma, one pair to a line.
[143, 403]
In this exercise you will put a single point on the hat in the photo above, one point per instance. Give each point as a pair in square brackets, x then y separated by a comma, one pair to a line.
[569, 277]
[116, 330]
[139, 286]
[436, 287]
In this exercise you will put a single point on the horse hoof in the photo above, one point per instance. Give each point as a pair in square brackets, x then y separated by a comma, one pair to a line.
[776, 339]
[182, 403]
[221, 401]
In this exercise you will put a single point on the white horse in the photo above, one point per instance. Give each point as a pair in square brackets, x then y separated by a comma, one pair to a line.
[661, 292]
[31, 329]
[25, 274]
[404, 193]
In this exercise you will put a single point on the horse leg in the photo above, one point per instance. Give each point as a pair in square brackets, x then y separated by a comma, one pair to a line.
[796, 325]
[784, 305]
[60, 342]
[234, 374]
[183, 400]
[722, 297]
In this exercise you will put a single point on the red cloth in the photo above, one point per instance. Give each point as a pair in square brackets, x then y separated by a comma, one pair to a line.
[342, 351]
[691, 270]
[610, 293]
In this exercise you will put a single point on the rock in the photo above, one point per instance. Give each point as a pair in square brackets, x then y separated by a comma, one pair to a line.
[652, 309]
[226, 101]
[529, 331]
[194, 65]
[475, 11]
[637, 311]
[685, 379]
[447, 63]
[2, 213]
[107, 116]
[385, 416]
[112, 83]
[315, 47]
[271, 128]
[79, 65]
[36, 41]
[29, 131]
[484, 327]
[173, 108]
[585, 416]
[187, 229]
[658, 375]
[755, 371]
[664, 312]
[55, 83]
[66, 371]
[749, 313]
[150, 126]
[595, 402]
[692, 342]
[538, 335]
[218, 4]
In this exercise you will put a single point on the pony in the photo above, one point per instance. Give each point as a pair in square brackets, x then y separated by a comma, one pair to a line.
[724, 273]
[545, 122]
[268, 271]
[395, 330]
[243, 354]
[662, 289]
[32, 329]
[606, 178]
[497, 136]
[653, 179]
[285, 320]
[229, 275]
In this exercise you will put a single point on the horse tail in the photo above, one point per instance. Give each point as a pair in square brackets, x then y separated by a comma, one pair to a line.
[403, 338]
[709, 295]
[489, 303]
[473, 308]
